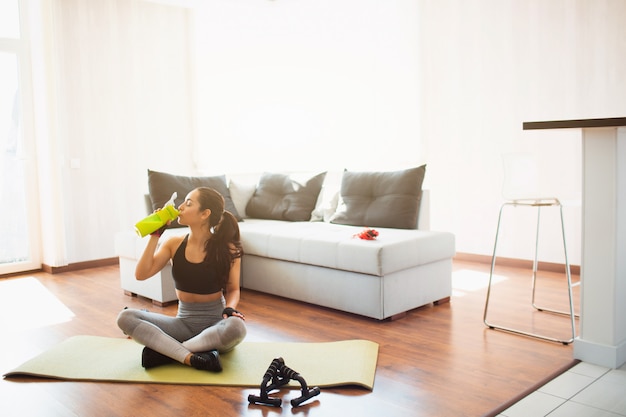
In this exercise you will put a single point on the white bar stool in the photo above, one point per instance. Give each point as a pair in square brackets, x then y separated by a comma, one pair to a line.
[520, 180]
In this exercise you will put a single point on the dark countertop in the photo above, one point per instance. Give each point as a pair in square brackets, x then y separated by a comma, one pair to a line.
[578, 123]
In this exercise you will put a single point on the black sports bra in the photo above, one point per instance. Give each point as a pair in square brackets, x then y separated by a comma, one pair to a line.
[196, 278]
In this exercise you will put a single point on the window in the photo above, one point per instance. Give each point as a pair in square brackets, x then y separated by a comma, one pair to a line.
[17, 246]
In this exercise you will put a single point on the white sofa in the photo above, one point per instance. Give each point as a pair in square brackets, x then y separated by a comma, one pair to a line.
[324, 263]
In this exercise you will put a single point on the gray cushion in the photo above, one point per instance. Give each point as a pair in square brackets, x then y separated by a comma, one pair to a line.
[161, 185]
[281, 197]
[381, 199]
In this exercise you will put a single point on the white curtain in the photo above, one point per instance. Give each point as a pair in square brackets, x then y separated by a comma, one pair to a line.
[115, 95]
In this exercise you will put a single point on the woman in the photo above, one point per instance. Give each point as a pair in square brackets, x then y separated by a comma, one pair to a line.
[205, 266]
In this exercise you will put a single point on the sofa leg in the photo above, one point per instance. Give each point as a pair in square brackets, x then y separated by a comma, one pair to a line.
[442, 301]
[163, 303]
[397, 316]
[154, 302]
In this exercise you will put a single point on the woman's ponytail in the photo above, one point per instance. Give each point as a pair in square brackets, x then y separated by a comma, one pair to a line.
[224, 245]
[227, 233]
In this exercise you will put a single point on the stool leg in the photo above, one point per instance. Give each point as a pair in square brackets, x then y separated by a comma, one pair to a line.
[569, 279]
[536, 260]
[493, 266]
[569, 282]
[571, 311]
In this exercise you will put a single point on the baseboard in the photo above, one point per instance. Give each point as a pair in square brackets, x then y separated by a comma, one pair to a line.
[80, 265]
[467, 257]
[600, 354]
[517, 263]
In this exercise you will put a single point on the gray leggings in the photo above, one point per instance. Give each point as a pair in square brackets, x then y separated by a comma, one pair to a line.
[197, 327]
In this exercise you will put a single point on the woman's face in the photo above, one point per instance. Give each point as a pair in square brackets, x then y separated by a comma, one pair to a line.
[190, 210]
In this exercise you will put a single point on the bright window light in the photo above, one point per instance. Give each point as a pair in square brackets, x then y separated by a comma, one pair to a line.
[43, 308]
[465, 281]
[9, 19]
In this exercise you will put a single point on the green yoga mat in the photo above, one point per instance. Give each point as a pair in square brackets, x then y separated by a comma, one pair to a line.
[94, 358]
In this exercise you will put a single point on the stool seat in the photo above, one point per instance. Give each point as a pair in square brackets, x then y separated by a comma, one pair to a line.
[540, 201]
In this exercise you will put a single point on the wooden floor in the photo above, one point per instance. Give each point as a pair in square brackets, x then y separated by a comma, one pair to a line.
[437, 361]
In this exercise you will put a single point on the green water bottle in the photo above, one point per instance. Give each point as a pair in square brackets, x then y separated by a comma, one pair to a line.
[158, 219]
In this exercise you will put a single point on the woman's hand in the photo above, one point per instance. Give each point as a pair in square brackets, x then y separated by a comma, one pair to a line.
[231, 312]
[160, 231]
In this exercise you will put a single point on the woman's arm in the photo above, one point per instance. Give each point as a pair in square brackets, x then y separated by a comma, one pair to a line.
[233, 291]
[153, 260]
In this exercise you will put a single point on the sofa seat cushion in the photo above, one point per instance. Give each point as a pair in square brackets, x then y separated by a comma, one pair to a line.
[327, 245]
[334, 246]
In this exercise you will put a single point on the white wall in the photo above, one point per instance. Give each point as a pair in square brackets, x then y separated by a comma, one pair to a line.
[323, 84]
[366, 84]
[308, 85]
[487, 66]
